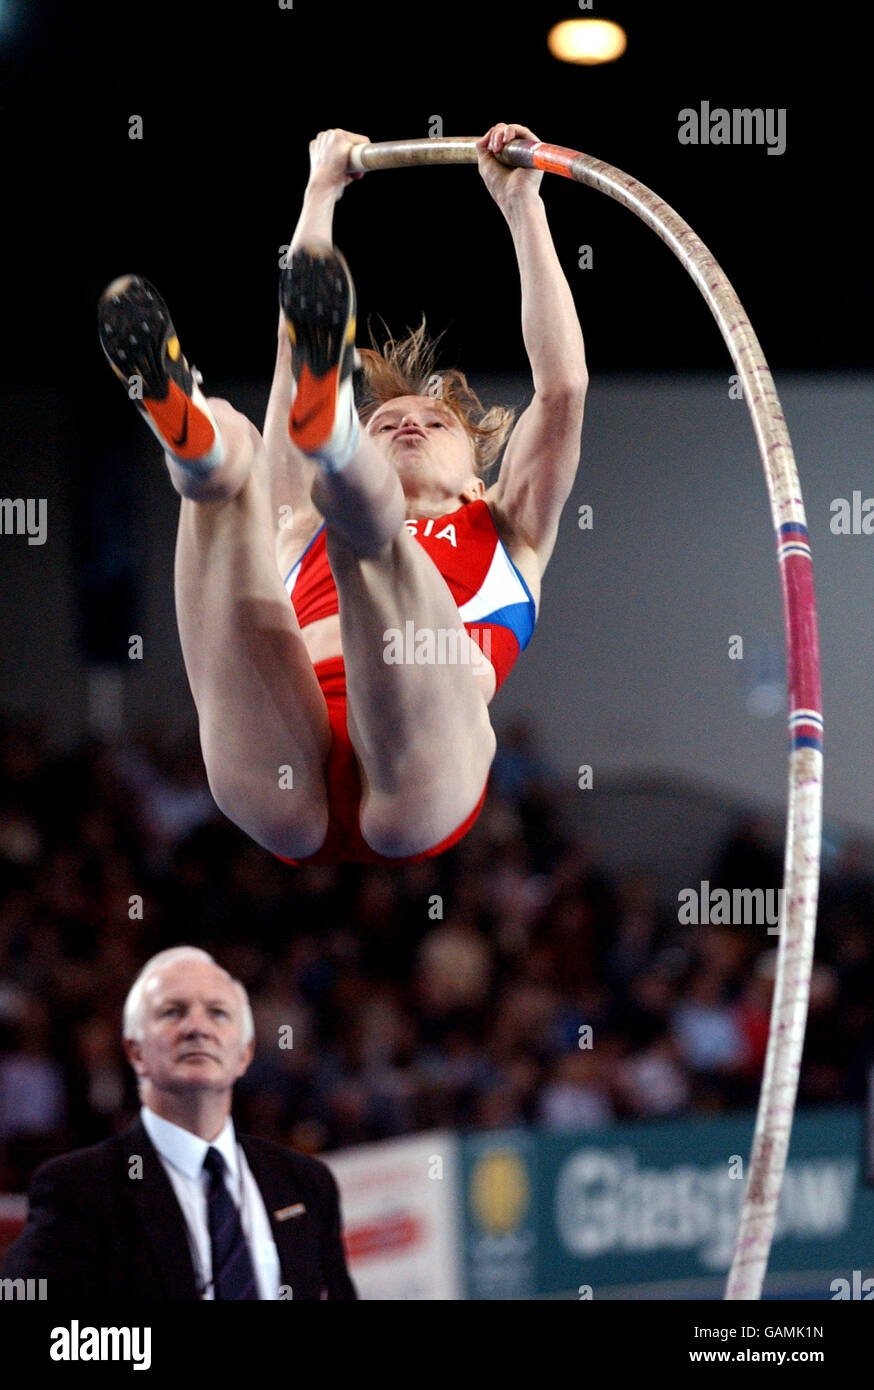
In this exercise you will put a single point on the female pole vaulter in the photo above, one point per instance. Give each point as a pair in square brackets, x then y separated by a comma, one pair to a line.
[350, 592]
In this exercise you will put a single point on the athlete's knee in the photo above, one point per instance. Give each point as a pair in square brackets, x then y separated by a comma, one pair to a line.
[490, 743]
[399, 826]
[345, 556]
[360, 529]
[289, 821]
[483, 753]
[425, 798]
[239, 435]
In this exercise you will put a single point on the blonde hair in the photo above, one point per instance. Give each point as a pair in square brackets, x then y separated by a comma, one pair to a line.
[405, 367]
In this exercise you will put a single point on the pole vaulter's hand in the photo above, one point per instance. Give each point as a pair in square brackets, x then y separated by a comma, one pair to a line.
[504, 184]
[329, 157]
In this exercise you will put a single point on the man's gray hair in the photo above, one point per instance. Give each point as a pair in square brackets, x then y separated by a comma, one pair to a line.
[134, 1005]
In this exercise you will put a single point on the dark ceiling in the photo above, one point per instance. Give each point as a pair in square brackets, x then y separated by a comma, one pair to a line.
[230, 98]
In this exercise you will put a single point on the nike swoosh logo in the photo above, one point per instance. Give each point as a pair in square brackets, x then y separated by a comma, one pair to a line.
[300, 421]
[183, 438]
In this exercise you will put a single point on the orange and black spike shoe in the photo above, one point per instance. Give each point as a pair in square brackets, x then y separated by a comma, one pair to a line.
[318, 302]
[141, 346]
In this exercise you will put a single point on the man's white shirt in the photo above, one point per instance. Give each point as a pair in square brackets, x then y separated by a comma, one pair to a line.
[182, 1154]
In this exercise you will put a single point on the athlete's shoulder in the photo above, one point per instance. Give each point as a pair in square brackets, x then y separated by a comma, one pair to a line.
[519, 551]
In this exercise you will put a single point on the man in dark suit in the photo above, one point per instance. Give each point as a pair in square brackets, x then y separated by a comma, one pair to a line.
[176, 1207]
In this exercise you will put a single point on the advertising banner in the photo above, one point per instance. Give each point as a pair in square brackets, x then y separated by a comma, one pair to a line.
[399, 1201]
[651, 1210]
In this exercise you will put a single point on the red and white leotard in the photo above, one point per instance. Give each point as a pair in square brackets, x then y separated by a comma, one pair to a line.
[490, 593]
[497, 610]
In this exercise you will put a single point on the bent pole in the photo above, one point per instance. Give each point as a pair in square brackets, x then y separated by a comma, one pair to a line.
[797, 921]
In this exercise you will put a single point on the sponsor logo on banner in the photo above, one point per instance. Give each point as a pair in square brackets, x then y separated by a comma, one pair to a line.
[501, 1240]
[607, 1203]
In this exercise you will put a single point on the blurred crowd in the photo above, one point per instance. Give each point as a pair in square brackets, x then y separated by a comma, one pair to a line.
[513, 981]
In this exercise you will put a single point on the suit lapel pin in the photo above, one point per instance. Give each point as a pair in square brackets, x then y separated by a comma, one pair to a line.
[285, 1213]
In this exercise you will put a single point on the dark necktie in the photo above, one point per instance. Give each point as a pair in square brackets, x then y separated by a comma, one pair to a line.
[233, 1275]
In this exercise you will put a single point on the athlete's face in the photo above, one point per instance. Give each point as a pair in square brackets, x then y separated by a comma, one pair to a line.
[426, 442]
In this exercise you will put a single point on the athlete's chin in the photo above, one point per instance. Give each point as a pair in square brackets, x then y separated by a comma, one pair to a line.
[413, 469]
[409, 458]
